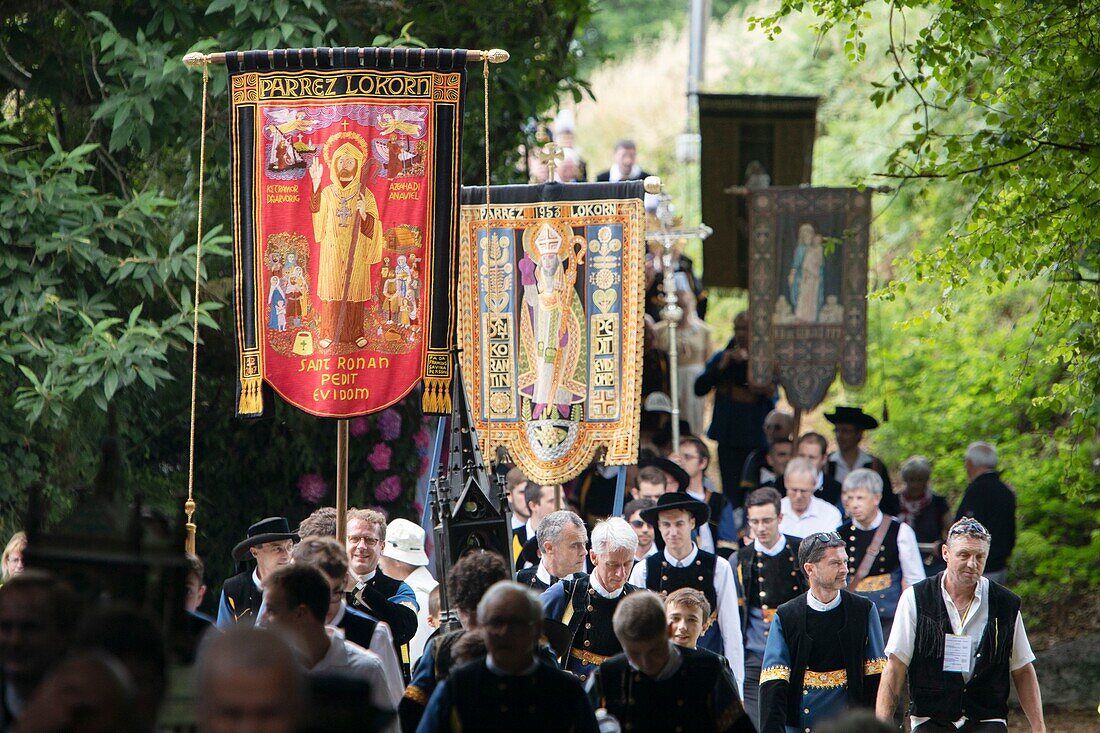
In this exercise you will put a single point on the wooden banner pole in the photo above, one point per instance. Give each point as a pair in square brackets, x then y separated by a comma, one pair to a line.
[341, 480]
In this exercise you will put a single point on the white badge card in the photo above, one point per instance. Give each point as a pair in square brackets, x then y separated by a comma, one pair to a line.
[956, 653]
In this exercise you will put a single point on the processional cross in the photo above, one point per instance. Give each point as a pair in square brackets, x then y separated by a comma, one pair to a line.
[667, 236]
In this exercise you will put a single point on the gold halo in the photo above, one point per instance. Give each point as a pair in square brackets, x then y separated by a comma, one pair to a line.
[326, 152]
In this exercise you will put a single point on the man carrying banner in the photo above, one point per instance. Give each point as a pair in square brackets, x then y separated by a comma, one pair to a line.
[349, 232]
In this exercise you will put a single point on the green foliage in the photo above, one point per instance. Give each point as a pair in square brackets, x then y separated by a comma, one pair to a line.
[1004, 107]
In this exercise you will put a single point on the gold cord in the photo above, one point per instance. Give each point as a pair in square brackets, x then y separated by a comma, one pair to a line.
[488, 243]
[189, 505]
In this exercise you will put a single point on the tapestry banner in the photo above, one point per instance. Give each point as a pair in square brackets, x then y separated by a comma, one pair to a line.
[550, 300]
[345, 202]
[808, 289]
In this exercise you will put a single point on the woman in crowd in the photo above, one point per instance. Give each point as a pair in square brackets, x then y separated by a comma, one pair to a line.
[928, 514]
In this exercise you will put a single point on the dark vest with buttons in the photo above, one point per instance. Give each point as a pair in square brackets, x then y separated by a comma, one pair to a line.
[849, 645]
[769, 580]
[887, 562]
[680, 703]
[590, 624]
[243, 597]
[662, 577]
[547, 701]
[946, 696]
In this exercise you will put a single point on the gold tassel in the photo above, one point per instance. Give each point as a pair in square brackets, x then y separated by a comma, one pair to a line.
[252, 401]
[437, 398]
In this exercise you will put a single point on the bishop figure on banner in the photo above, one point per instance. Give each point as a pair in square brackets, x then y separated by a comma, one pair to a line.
[349, 233]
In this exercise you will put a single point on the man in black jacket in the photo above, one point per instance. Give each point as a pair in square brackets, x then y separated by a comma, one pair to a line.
[268, 543]
[991, 502]
[375, 593]
[960, 637]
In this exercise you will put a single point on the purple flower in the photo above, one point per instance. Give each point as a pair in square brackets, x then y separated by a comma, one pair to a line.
[388, 490]
[424, 460]
[312, 487]
[389, 424]
[379, 458]
[359, 426]
[421, 439]
[418, 508]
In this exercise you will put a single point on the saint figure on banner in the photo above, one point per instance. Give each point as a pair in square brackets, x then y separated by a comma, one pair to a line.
[349, 232]
[550, 323]
[807, 276]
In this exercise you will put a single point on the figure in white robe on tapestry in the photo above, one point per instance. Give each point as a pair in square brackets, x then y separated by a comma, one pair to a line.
[806, 279]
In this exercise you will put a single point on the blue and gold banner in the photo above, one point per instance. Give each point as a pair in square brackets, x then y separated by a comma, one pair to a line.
[551, 281]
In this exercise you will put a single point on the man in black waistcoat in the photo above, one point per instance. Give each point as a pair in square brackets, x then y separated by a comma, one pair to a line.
[824, 653]
[960, 637]
[683, 565]
[656, 685]
[563, 540]
[511, 689]
[585, 606]
[770, 576]
[851, 423]
[268, 543]
[883, 557]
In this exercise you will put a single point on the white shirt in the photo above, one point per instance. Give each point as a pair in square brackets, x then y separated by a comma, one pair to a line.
[775, 549]
[422, 583]
[912, 567]
[651, 551]
[816, 605]
[543, 574]
[518, 521]
[347, 658]
[594, 582]
[903, 635]
[729, 619]
[381, 644]
[705, 538]
[863, 460]
[820, 516]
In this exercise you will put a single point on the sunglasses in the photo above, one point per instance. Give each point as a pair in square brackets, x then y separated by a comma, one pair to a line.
[826, 537]
[638, 523]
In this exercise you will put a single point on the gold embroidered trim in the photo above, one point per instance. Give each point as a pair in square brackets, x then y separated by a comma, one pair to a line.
[587, 657]
[875, 666]
[414, 693]
[825, 680]
[873, 583]
[775, 673]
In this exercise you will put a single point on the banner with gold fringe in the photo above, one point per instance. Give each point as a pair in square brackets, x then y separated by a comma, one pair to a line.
[550, 300]
[345, 201]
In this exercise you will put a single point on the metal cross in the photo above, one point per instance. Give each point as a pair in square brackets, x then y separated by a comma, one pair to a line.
[667, 236]
[551, 154]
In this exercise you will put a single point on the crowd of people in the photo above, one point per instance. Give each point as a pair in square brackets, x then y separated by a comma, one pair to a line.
[754, 580]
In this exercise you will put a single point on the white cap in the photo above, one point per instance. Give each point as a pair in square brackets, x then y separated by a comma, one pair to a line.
[658, 402]
[405, 542]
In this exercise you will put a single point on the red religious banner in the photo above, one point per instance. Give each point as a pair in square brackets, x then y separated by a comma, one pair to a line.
[345, 182]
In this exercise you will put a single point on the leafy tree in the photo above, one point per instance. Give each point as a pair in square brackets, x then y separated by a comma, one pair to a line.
[1005, 110]
[99, 167]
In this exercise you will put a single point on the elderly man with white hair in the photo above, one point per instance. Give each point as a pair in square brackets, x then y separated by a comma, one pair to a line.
[510, 688]
[993, 503]
[803, 513]
[883, 557]
[562, 540]
[587, 605]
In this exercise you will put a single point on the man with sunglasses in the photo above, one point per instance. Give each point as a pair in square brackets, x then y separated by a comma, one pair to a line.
[959, 637]
[769, 574]
[824, 651]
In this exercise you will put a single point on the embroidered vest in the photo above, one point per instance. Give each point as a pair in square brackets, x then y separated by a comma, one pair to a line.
[663, 578]
[882, 586]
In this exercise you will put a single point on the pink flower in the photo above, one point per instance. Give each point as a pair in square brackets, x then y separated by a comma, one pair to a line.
[388, 490]
[359, 426]
[379, 458]
[421, 439]
[424, 461]
[389, 424]
[312, 487]
[418, 508]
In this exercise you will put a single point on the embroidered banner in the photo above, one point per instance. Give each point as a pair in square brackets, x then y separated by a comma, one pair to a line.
[550, 321]
[345, 189]
[808, 289]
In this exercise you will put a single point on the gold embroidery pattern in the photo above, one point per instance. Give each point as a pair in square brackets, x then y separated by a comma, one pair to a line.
[875, 666]
[825, 680]
[246, 88]
[775, 673]
[414, 693]
[874, 583]
[587, 657]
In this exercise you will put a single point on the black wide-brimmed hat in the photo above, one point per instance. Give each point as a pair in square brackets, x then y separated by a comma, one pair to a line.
[851, 416]
[677, 500]
[271, 529]
[678, 474]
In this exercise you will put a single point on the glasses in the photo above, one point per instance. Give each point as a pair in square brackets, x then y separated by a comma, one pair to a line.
[968, 526]
[368, 541]
[827, 538]
[638, 523]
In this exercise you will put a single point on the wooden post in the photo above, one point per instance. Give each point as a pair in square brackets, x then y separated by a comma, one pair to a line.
[797, 429]
[341, 480]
